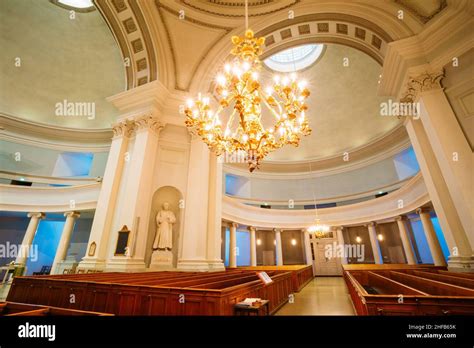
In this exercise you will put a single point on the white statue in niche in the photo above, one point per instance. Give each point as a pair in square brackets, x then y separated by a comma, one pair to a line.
[164, 233]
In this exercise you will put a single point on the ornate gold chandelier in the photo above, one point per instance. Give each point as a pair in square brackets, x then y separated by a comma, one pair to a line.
[238, 87]
[318, 229]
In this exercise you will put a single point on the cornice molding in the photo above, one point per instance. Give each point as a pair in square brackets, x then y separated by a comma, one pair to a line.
[26, 132]
[446, 36]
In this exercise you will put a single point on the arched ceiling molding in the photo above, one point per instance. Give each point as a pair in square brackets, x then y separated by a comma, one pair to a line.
[372, 18]
[423, 17]
[160, 37]
[326, 28]
[127, 23]
[163, 11]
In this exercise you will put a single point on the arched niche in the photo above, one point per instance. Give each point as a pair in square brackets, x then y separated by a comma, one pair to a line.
[173, 196]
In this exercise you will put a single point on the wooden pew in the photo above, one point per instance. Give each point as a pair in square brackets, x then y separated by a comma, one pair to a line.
[207, 294]
[22, 309]
[449, 279]
[409, 291]
[432, 287]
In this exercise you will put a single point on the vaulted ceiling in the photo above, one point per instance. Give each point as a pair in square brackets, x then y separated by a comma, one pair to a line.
[182, 43]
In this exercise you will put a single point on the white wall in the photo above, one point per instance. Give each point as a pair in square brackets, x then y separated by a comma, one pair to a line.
[351, 182]
[40, 161]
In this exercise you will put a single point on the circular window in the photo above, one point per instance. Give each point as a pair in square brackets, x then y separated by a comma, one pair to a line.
[76, 5]
[295, 58]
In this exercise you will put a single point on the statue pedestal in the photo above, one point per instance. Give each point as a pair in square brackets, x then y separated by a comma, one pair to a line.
[161, 259]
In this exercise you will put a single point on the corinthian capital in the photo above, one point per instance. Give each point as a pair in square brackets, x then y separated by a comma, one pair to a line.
[148, 121]
[421, 83]
[123, 129]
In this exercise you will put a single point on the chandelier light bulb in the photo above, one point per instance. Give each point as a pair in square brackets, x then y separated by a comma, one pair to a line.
[255, 76]
[227, 68]
[293, 77]
[285, 81]
[246, 66]
[276, 78]
[221, 80]
[302, 84]
[245, 137]
[269, 90]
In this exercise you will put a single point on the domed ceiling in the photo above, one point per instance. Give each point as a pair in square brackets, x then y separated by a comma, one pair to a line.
[61, 58]
[344, 109]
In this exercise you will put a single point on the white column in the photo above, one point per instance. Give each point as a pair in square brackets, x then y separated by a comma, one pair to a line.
[374, 243]
[233, 246]
[194, 246]
[279, 253]
[61, 251]
[450, 222]
[134, 204]
[407, 247]
[29, 237]
[307, 247]
[214, 257]
[431, 238]
[253, 247]
[453, 153]
[106, 203]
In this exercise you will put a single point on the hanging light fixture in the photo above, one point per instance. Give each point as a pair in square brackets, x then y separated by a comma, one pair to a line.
[318, 229]
[239, 89]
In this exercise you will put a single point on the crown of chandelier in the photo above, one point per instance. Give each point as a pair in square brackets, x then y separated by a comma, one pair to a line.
[238, 88]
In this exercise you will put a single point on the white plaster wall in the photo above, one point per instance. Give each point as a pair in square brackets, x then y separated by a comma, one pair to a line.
[376, 175]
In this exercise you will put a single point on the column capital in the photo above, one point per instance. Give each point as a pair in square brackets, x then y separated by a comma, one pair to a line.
[422, 210]
[234, 224]
[72, 214]
[370, 224]
[426, 81]
[278, 230]
[123, 128]
[148, 122]
[37, 215]
[339, 228]
[401, 218]
[252, 228]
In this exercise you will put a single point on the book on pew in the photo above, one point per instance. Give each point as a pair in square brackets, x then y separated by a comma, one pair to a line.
[264, 277]
[250, 302]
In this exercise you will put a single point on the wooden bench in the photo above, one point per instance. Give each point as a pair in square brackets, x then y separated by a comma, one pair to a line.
[23, 309]
[153, 293]
[409, 291]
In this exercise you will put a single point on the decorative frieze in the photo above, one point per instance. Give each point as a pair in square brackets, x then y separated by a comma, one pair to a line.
[421, 83]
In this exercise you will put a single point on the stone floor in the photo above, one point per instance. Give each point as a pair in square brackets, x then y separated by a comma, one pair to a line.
[322, 296]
